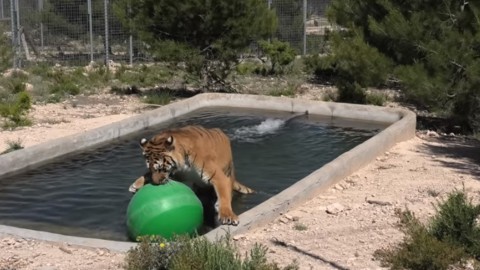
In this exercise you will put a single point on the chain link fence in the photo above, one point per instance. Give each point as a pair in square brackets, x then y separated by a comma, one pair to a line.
[76, 32]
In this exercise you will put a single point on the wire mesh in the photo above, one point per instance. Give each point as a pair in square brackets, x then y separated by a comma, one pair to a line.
[316, 26]
[290, 22]
[75, 32]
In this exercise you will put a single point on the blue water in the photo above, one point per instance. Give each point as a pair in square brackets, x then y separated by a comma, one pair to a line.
[87, 194]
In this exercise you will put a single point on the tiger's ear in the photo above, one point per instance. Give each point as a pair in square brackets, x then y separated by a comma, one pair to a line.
[170, 140]
[143, 141]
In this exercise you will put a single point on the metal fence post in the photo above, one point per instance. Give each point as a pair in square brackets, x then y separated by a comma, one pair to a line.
[130, 38]
[14, 33]
[40, 8]
[106, 32]
[90, 28]
[304, 27]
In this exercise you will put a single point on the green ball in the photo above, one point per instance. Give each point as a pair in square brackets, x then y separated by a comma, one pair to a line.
[165, 210]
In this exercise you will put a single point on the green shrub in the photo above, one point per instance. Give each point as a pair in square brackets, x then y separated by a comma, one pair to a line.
[419, 250]
[455, 223]
[15, 109]
[158, 97]
[6, 53]
[198, 253]
[249, 67]
[206, 37]
[279, 53]
[433, 50]
[144, 76]
[64, 83]
[451, 237]
[288, 91]
[12, 146]
[152, 252]
[377, 99]
[300, 226]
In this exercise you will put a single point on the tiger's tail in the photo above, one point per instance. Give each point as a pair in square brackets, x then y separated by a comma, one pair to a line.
[242, 188]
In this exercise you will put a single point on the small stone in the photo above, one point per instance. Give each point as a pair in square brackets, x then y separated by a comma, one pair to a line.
[338, 187]
[283, 220]
[288, 216]
[335, 208]
[378, 202]
[296, 218]
[238, 237]
[326, 197]
[64, 249]
[101, 252]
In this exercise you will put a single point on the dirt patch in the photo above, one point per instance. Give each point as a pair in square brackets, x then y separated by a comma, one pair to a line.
[341, 228]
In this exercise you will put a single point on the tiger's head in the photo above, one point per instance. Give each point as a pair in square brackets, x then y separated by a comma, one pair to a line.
[158, 153]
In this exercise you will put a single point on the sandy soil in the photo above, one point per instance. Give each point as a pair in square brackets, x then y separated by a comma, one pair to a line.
[339, 229]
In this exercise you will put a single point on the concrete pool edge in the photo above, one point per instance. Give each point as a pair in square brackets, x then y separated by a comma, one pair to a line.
[402, 128]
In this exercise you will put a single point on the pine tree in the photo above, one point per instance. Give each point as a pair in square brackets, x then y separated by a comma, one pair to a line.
[207, 35]
[433, 47]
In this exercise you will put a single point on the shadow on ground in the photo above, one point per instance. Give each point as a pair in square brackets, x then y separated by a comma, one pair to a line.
[463, 155]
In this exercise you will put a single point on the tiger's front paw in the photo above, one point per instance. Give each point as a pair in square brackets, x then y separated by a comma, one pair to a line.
[132, 189]
[227, 217]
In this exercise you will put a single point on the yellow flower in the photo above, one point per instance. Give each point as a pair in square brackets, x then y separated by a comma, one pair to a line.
[162, 245]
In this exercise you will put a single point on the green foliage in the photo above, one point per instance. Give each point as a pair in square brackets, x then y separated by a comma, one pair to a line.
[143, 75]
[158, 97]
[198, 253]
[419, 250]
[451, 237]
[249, 67]
[352, 67]
[206, 36]
[300, 227]
[14, 110]
[279, 53]
[377, 99]
[288, 91]
[316, 44]
[6, 53]
[152, 252]
[15, 83]
[434, 50]
[290, 22]
[63, 83]
[455, 223]
[12, 146]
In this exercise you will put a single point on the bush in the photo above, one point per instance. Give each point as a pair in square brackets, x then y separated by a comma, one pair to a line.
[143, 75]
[451, 237]
[15, 109]
[158, 97]
[12, 146]
[455, 223]
[279, 53]
[377, 99]
[419, 250]
[433, 49]
[198, 253]
[351, 67]
[207, 37]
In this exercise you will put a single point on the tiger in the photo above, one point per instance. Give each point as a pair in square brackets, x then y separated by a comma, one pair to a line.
[195, 155]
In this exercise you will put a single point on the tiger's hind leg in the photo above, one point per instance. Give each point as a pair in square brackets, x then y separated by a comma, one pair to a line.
[237, 186]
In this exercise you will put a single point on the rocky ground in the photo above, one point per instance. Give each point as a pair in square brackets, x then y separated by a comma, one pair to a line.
[339, 229]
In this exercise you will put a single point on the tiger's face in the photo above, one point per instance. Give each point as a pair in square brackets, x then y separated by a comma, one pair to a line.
[158, 157]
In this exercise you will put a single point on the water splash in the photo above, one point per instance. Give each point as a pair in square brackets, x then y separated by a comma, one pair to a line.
[257, 132]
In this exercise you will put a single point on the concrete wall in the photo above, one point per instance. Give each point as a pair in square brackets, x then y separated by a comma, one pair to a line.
[402, 128]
